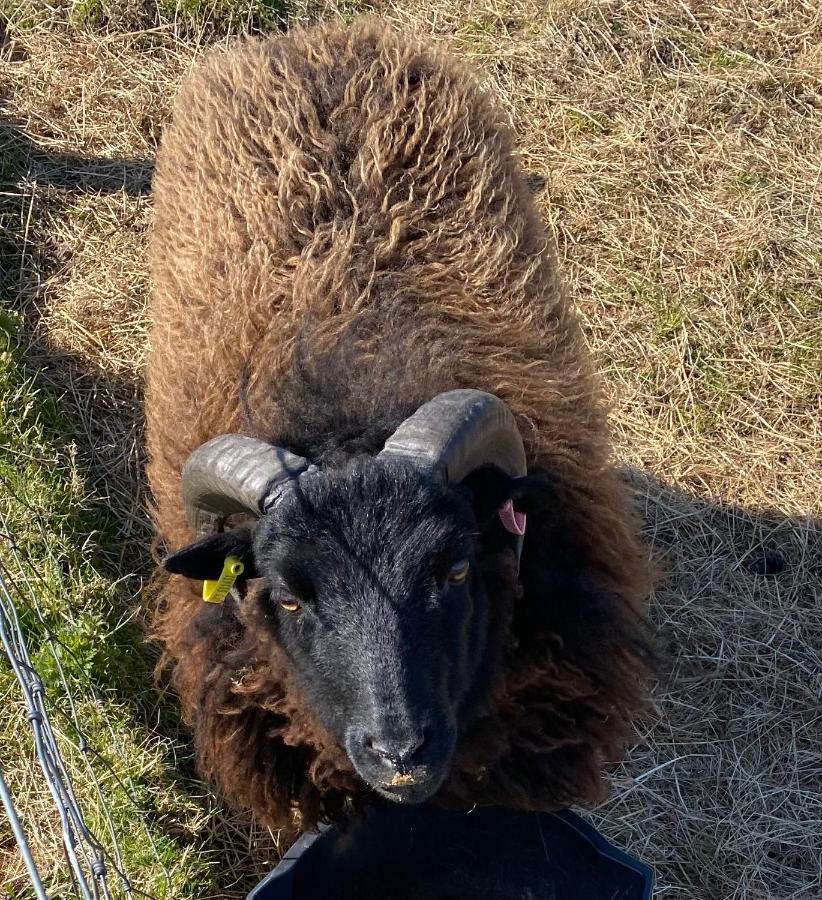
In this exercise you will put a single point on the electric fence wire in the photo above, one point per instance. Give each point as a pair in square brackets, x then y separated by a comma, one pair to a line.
[88, 859]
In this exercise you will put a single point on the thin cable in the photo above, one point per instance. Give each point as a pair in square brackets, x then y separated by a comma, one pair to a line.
[22, 842]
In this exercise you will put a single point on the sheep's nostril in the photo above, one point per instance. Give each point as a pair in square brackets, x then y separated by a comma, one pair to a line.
[400, 753]
[378, 749]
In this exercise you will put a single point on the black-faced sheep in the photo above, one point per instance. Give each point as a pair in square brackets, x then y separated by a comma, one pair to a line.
[352, 283]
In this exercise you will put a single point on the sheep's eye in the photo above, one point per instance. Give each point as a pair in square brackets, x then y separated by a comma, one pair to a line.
[458, 573]
[289, 603]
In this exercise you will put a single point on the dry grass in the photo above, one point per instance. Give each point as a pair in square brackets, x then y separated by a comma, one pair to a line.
[681, 144]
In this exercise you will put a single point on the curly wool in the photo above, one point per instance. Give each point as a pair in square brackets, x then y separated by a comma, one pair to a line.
[343, 230]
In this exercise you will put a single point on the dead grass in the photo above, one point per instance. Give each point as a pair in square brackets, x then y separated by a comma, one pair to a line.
[681, 145]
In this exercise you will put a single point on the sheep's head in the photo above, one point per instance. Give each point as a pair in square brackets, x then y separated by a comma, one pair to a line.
[370, 573]
[372, 577]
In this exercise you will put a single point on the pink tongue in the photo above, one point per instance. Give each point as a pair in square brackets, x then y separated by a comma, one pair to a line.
[512, 520]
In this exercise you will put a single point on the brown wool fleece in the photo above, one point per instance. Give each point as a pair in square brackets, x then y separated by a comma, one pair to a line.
[351, 177]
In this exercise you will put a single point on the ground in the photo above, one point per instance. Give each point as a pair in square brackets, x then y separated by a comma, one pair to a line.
[679, 144]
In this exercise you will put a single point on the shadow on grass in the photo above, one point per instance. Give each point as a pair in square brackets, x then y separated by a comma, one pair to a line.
[728, 765]
[93, 423]
[98, 413]
[69, 171]
[737, 610]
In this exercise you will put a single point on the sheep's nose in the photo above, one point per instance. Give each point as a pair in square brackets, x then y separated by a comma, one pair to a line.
[401, 754]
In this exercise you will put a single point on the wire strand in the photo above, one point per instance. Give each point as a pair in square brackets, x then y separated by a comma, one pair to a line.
[89, 859]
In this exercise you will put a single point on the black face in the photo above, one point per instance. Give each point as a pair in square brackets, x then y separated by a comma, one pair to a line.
[379, 605]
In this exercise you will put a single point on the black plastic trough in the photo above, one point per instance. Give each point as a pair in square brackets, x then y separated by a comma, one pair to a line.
[426, 853]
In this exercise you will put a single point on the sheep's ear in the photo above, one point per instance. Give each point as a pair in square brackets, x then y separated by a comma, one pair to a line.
[204, 558]
[489, 488]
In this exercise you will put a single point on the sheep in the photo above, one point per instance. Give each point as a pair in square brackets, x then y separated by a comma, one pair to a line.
[365, 382]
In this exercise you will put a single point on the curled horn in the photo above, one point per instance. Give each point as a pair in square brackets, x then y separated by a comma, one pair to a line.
[234, 473]
[457, 432]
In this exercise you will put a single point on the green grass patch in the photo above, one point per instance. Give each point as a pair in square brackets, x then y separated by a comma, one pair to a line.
[189, 16]
[88, 12]
[90, 654]
[581, 121]
[477, 34]
[668, 314]
[263, 13]
[745, 182]
[25, 14]
[725, 58]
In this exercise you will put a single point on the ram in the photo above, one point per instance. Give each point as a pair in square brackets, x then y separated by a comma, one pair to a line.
[367, 389]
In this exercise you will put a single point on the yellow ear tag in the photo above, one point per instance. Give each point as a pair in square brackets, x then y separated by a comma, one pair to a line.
[217, 591]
